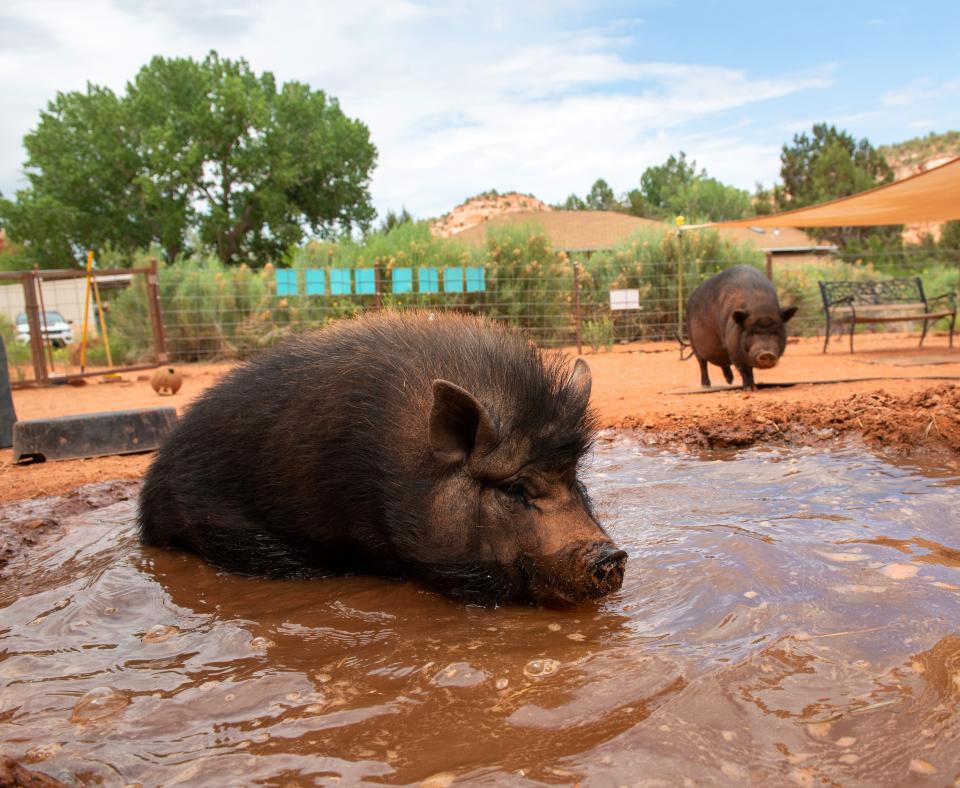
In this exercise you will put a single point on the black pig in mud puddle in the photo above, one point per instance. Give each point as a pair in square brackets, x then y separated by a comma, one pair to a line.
[734, 318]
[437, 447]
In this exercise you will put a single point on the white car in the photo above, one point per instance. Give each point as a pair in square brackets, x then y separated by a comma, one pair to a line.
[57, 331]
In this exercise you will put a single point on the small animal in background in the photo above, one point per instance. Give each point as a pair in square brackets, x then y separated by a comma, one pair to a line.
[735, 319]
[442, 448]
[166, 380]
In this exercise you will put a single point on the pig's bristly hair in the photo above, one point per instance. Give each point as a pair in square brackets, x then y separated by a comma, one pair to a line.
[269, 467]
[529, 394]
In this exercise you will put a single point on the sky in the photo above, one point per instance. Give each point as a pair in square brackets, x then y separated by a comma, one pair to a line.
[537, 97]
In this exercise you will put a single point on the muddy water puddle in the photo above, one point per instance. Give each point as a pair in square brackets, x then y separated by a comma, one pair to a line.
[787, 617]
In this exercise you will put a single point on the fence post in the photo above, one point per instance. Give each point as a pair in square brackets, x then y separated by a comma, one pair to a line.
[47, 346]
[576, 305]
[680, 275]
[378, 301]
[32, 308]
[8, 415]
[156, 315]
[770, 266]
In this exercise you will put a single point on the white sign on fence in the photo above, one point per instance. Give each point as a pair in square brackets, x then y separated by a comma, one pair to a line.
[624, 299]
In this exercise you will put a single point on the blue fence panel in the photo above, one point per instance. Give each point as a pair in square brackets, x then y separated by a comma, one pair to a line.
[476, 280]
[316, 281]
[402, 280]
[286, 281]
[429, 280]
[339, 281]
[365, 281]
[452, 280]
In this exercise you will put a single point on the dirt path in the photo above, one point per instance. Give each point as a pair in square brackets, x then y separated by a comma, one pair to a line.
[636, 386]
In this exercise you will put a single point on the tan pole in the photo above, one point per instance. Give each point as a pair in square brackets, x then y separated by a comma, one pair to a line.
[86, 314]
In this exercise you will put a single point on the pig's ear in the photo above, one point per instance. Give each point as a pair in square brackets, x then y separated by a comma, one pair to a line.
[459, 424]
[581, 380]
[739, 317]
[786, 314]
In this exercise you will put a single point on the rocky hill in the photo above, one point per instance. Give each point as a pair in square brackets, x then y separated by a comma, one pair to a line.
[482, 207]
[919, 155]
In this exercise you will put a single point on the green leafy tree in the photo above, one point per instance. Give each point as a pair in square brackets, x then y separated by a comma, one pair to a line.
[572, 203]
[677, 188]
[634, 203]
[206, 149]
[394, 220]
[662, 184]
[601, 197]
[950, 239]
[763, 200]
[826, 165]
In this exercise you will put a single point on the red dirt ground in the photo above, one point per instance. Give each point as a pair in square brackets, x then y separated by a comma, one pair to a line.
[635, 386]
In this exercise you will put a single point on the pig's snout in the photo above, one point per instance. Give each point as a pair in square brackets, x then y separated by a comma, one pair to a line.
[607, 570]
[584, 570]
[767, 360]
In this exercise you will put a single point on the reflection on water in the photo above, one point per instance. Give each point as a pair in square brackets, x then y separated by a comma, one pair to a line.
[787, 617]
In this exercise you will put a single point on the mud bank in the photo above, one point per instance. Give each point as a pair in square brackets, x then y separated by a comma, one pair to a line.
[636, 386]
[29, 524]
[927, 421]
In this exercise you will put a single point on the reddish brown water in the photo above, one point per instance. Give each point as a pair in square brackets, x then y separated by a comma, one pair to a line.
[787, 617]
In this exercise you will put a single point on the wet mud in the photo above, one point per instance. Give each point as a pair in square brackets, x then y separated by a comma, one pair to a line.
[788, 616]
[927, 421]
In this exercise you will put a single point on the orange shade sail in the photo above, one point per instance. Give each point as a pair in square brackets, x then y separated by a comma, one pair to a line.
[931, 196]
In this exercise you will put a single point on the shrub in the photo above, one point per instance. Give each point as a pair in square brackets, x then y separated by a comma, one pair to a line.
[665, 266]
[599, 332]
[18, 353]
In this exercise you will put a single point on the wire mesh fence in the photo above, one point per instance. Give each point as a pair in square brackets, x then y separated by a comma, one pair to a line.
[221, 312]
[596, 302]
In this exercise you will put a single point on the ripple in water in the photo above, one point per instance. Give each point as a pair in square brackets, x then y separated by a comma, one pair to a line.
[786, 617]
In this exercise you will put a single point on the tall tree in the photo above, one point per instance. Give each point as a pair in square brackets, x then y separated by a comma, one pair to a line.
[601, 197]
[206, 149]
[677, 188]
[662, 185]
[826, 165]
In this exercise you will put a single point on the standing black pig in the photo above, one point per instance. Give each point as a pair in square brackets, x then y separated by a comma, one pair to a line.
[443, 448]
[735, 318]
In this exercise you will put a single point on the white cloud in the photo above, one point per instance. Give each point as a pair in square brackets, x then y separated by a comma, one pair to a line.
[458, 97]
[921, 90]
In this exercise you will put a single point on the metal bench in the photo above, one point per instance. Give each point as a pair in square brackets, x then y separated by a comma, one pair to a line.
[883, 301]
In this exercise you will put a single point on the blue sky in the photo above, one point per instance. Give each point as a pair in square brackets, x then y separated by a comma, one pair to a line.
[538, 97]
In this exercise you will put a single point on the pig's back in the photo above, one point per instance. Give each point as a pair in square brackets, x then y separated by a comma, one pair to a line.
[316, 436]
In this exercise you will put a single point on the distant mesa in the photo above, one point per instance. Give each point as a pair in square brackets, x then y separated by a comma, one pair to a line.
[484, 206]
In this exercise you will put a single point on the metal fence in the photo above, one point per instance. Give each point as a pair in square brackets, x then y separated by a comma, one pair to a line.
[196, 313]
[586, 302]
[45, 314]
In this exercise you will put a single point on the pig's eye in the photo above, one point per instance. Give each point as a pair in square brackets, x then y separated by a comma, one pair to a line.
[516, 492]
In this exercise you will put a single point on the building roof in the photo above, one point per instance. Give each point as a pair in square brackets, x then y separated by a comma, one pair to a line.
[569, 230]
[774, 239]
[585, 231]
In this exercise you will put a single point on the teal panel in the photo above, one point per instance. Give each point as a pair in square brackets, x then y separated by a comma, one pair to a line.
[429, 280]
[286, 282]
[476, 280]
[452, 280]
[316, 281]
[339, 281]
[402, 280]
[365, 281]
